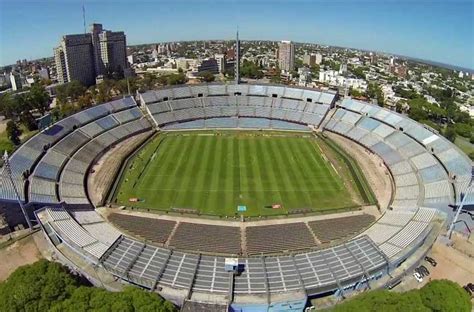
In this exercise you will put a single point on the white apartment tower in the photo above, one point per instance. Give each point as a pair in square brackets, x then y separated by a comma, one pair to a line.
[286, 56]
[15, 81]
[84, 57]
[74, 59]
[319, 58]
[220, 58]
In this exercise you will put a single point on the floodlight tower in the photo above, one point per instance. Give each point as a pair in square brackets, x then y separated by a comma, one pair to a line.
[10, 176]
[237, 59]
[469, 189]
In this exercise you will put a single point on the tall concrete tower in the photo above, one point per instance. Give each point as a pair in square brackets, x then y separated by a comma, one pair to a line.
[237, 60]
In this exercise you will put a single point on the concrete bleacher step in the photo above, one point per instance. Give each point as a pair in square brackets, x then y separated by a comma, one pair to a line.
[167, 243]
[243, 239]
[318, 242]
[148, 117]
[327, 118]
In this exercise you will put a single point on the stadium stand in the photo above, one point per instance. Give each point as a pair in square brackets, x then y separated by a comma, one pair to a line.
[59, 223]
[278, 238]
[338, 228]
[64, 133]
[219, 101]
[206, 238]
[429, 173]
[154, 230]
[315, 271]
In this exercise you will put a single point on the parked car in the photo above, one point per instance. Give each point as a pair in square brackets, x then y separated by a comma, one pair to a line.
[471, 286]
[418, 277]
[417, 270]
[431, 261]
[468, 290]
[421, 271]
[424, 270]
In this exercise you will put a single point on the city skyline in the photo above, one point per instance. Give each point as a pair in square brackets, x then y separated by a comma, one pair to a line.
[441, 34]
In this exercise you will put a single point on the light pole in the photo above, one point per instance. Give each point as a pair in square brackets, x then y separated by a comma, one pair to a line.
[458, 212]
[10, 175]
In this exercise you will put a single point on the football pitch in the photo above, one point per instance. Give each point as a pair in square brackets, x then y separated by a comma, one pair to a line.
[214, 173]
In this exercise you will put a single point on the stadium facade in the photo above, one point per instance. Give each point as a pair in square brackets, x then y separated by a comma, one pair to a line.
[429, 175]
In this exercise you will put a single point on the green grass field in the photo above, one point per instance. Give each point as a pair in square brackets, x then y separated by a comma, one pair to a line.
[213, 174]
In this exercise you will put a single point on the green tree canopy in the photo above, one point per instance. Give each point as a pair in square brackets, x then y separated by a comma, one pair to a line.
[374, 91]
[444, 295]
[464, 129]
[421, 109]
[48, 286]
[450, 133]
[438, 295]
[98, 299]
[251, 70]
[69, 91]
[206, 76]
[36, 287]
[13, 132]
[176, 79]
[39, 98]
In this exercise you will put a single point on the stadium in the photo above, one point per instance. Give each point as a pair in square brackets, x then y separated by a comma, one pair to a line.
[240, 197]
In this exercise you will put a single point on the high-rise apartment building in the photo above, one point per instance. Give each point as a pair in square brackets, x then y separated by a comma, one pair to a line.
[76, 59]
[84, 57]
[286, 56]
[15, 81]
[220, 58]
[319, 58]
[309, 59]
[60, 62]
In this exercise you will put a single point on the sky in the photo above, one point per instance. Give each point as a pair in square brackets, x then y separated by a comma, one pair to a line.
[435, 30]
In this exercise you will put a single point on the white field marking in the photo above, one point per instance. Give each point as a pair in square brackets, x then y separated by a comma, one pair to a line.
[224, 190]
[324, 156]
[335, 170]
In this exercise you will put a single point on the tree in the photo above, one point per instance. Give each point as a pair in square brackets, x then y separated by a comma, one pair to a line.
[69, 91]
[355, 93]
[28, 120]
[8, 106]
[463, 129]
[36, 287]
[229, 73]
[374, 91]
[251, 70]
[444, 295]
[439, 295]
[206, 76]
[298, 63]
[13, 132]
[39, 98]
[359, 72]
[176, 79]
[49, 286]
[95, 299]
[315, 71]
[104, 91]
[421, 109]
[276, 78]
[84, 101]
[398, 106]
[450, 133]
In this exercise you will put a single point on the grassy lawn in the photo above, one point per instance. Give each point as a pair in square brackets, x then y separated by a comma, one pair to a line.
[7, 145]
[213, 174]
[464, 144]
